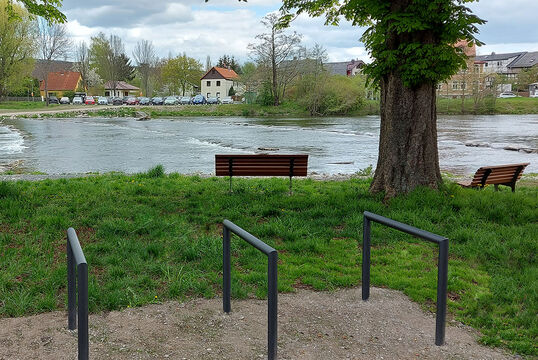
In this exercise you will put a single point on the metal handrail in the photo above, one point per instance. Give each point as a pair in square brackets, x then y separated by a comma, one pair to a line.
[76, 264]
[442, 266]
[272, 278]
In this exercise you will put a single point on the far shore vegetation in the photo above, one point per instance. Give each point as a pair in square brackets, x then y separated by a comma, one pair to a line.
[154, 237]
[514, 106]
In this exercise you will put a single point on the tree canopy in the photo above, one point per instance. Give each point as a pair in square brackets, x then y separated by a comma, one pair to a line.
[48, 9]
[414, 38]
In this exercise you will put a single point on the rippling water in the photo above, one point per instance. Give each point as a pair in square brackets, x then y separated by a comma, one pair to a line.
[187, 145]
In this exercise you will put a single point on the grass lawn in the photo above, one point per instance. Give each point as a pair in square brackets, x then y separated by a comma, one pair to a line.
[150, 235]
[24, 105]
[517, 105]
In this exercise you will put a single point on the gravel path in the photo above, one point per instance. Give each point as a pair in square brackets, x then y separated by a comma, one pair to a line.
[312, 325]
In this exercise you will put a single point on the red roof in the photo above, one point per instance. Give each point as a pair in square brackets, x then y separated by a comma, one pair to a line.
[120, 85]
[227, 74]
[61, 81]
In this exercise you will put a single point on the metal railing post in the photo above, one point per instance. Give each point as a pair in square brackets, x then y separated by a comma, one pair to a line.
[272, 295]
[442, 285]
[442, 267]
[226, 271]
[76, 264]
[71, 289]
[366, 259]
[272, 280]
[83, 326]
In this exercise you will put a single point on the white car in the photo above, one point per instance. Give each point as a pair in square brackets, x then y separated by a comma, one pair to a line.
[77, 100]
[227, 100]
[507, 94]
[535, 95]
[102, 100]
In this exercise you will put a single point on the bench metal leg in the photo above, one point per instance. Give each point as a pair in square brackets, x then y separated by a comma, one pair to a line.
[290, 186]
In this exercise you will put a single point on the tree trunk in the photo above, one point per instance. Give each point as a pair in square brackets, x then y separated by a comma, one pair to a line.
[408, 141]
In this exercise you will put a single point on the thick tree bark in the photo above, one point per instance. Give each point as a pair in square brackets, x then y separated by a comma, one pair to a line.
[408, 154]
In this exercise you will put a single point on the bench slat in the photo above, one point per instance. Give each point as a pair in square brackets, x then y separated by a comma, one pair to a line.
[501, 174]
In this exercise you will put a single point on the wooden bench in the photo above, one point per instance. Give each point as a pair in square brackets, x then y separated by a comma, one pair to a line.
[261, 165]
[496, 175]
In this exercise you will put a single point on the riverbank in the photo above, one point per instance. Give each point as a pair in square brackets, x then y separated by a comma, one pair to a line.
[151, 234]
[518, 105]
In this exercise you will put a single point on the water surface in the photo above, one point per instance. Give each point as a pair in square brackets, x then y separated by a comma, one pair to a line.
[188, 145]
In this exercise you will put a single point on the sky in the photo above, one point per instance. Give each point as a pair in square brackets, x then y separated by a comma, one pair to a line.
[227, 26]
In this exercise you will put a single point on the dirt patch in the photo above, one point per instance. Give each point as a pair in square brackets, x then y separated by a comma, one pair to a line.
[311, 325]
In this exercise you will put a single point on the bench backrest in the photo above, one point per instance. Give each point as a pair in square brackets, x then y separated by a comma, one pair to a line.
[261, 165]
[502, 174]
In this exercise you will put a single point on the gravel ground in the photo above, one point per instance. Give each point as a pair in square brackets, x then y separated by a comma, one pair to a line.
[311, 325]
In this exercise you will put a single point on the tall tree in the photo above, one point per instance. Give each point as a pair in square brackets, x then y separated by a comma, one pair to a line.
[411, 43]
[229, 61]
[54, 43]
[17, 46]
[276, 51]
[208, 65]
[181, 72]
[107, 57]
[144, 56]
[82, 63]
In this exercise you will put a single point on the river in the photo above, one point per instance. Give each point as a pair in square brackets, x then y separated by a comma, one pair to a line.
[188, 144]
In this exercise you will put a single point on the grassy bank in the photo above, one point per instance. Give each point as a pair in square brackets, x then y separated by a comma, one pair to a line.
[518, 105]
[151, 237]
[8, 106]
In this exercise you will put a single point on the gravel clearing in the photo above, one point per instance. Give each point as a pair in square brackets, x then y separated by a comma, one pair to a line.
[312, 325]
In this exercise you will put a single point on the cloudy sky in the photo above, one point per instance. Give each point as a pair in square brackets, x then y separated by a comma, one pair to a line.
[228, 26]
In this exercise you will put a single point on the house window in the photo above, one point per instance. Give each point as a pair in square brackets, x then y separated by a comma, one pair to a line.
[463, 85]
[499, 63]
[208, 83]
[439, 86]
[455, 85]
[218, 83]
[486, 65]
[208, 95]
[218, 94]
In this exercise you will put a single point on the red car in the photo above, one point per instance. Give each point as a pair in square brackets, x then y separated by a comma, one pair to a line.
[90, 100]
[132, 101]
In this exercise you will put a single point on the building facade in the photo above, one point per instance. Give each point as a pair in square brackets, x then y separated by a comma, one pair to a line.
[218, 81]
[60, 82]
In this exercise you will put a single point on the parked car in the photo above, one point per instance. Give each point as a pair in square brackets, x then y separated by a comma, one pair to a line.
[185, 100]
[90, 100]
[170, 100]
[102, 100]
[199, 99]
[535, 95]
[117, 101]
[132, 101]
[53, 100]
[77, 100]
[124, 99]
[507, 94]
[144, 101]
[213, 100]
[157, 100]
[64, 100]
[227, 100]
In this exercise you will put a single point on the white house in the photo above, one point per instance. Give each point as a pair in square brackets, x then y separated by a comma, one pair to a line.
[122, 89]
[218, 81]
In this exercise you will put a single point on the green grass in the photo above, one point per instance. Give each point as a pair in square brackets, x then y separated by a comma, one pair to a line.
[25, 105]
[154, 234]
[518, 105]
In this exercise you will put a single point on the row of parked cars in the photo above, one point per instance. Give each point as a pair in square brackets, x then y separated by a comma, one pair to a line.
[132, 100]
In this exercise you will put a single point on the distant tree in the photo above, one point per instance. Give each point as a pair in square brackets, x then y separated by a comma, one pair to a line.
[82, 63]
[412, 47]
[181, 72]
[17, 47]
[107, 57]
[231, 92]
[277, 52]
[144, 55]
[126, 71]
[54, 43]
[249, 78]
[229, 61]
[208, 65]
[526, 77]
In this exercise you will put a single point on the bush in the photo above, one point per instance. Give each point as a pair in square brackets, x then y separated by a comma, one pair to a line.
[265, 97]
[155, 172]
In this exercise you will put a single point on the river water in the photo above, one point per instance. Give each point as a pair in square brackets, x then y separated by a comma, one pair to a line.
[188, 145]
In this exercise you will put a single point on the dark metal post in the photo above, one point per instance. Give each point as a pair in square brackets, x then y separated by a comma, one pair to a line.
[442, 284]
[366, 259]
[71, 289]
[230, 170]
[226, 270]
[83, 330]
[272, 311]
